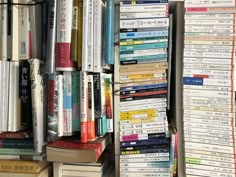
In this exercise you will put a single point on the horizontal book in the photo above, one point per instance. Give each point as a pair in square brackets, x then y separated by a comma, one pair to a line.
[23, 134]
[46, 172]
[73, 151]
[22, 166]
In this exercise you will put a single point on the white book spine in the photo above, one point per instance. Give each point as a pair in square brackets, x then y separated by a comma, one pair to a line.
[67, 103]
[23, 31]
[143, 15]
[60, 105]
[84, 106]
[98, 22]
[209, 3]
[5, 93]
[14, 121]
[209, 16]
[85, 39]
[144, 23]
[140, 107]
[207, 93]
[15, 31]
[38, 101]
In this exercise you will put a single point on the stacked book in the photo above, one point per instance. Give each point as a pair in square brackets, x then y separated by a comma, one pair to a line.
[209, 93]
[70, 157]
[22, 92]
[144, 134]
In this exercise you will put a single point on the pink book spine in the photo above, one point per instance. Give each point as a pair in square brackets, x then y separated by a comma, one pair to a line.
[63, 44]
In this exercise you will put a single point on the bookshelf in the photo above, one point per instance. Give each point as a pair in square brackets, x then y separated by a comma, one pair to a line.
[177, 7]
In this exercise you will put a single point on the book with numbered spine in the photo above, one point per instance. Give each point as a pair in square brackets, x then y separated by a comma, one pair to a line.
[208, 94]
[144, 132]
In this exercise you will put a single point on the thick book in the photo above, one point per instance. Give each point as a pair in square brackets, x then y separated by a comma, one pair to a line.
[74, 151]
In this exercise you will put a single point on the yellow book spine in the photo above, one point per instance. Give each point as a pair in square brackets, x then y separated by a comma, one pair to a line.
[14, 166]
[80, 33]
[74, 31]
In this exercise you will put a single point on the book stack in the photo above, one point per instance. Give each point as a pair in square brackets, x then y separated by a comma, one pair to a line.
[144, 134]
[22, 92]
[209, 93]
[103, 167]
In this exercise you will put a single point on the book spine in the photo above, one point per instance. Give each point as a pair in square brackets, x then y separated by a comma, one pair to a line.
[22, 144]
[145, 8]
[98, 18]
[51, 39]
[109, 102]
[134, 35]
[63, 44]
[4, 31]
[60, 105]
[14, 113]
[91, 116]
[103, 101]
[80, 33]
[209, 3]
[25, 93]
[37, 90]
[84, 107]
[13, 166]
[142, 2]
[67, 103]
[74, 32]
[144, 155]
[5, 77]
[90, 33]
[98, 105]
[52, 107]
[143, 15]
[76, 101]
[87, 36]
[110, 38]
[23, 28]
[16, 135]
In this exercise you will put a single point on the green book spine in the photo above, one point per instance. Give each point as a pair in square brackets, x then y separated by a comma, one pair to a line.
[76, 101]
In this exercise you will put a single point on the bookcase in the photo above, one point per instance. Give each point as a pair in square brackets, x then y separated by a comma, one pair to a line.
[177, 9]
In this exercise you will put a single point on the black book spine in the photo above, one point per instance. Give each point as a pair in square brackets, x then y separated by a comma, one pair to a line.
[97, 104]
[25, 93]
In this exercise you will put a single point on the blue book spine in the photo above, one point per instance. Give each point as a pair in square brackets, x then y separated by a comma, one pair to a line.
[144, 57]
[143, 34]
[143, 2]
[193, 81]
[143, 46]
[123, 89]
[67, 103]
[110, 38]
